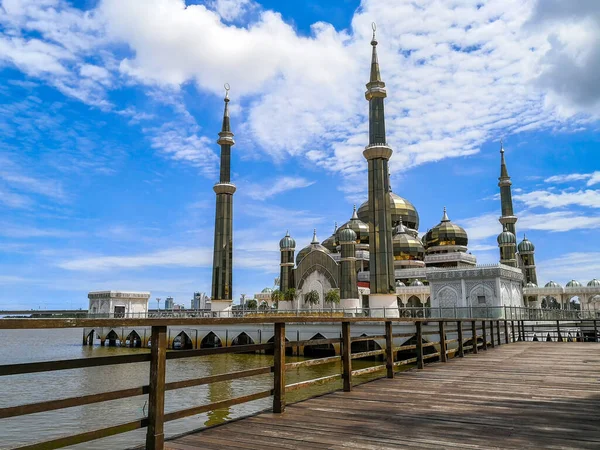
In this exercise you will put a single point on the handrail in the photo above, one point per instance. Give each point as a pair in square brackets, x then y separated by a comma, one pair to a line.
[473, 335]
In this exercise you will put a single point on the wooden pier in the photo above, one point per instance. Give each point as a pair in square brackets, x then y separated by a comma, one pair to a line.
[524, 395]
[494, 383]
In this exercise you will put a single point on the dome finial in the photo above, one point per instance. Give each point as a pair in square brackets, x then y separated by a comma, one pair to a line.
[314, 239]
[287, 233]
[374, 27]
[445, 216]
[334, 227]
[354, 215]
[501, 145]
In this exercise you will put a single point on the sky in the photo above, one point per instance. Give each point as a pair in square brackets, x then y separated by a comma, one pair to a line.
[110, 111]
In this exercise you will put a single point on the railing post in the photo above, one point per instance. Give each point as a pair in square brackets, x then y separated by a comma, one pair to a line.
[523, 330]
[483, 335]
[498, 331]
[474, 336]
[420, 362]
[346, 358]
[389, 350]
[512, 325]
[443, 356]
[155, 436]
[506, 337]
[558, 331]
[279, 369]
[461, 350]
[492, 334]
[595, 331]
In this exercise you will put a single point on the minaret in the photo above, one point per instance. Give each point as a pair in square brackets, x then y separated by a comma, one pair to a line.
[377, 153]
[223, 251]
[287, 246]
[526, 252]
[349, 298]
[508, 218]
[508, 248]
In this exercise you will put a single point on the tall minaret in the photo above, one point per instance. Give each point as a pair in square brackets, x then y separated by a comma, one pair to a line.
[349, 298]
[508, 218]
[223, 252]
[287, 246]
[378, 153]
[526, 252]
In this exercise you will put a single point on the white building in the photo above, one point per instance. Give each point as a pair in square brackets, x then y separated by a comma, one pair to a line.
[118, 303]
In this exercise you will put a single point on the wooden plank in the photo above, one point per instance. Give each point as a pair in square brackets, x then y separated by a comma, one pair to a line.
[312, 362]
[177, 354]
[474, 337]
[217, 378]
[314, 382]
[358, 372]
[155, 436]
[367, 354]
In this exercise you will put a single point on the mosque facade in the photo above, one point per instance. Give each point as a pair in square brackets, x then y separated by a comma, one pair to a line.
[378, 260]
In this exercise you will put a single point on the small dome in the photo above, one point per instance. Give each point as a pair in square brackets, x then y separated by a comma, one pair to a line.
[358, 226]
[506, 238]
[400, 284]
[401, 209]
[287, 243]
[417, 283]
[331, 242]
[552, 284]
[594, 283]
[347, 235]
[267, 291]
[446, 233]
[526, 246]
[406, 246]
[573, 283]
[313, 246]
[531, 285]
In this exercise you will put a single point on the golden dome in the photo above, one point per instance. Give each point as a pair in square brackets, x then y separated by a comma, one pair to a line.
[446, 233]
[401, 209]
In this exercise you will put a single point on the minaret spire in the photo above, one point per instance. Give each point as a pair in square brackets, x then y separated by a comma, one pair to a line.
[504, 183]
[223, 241]
[377, 152]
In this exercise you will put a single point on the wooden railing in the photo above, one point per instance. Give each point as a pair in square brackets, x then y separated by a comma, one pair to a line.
[471, 336]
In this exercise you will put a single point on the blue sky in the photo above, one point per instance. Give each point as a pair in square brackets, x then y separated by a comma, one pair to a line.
[109, 114]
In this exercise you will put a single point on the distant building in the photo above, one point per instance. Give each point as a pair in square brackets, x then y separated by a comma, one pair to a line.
[200, 301]
[118, 303]
[169, 303]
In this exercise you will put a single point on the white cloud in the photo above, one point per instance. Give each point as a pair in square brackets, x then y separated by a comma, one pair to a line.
[592, 178]
[547, 199]
[231, 10]
[582, 266]
[278, 186]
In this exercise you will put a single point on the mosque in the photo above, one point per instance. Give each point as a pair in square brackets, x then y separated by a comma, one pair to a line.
[376, 259]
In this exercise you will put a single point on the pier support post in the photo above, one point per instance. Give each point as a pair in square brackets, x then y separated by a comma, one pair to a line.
[389, 350]
[155, 436]
[512, 325]
[420, 361]
[474, 336]
[443, 356]
[506, 336]
[498, 332]
[523, 330]
[346, 357]
[483, 335]
[279, 374]
[461, 349]
[492, 343]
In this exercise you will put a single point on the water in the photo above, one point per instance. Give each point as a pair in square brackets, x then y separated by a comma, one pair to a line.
[21, 346]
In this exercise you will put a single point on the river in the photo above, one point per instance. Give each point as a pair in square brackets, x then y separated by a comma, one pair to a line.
[21, 346]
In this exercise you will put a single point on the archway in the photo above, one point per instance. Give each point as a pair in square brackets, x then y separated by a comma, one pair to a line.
[289, 351]
[242, 339]
[133, 339]
[183, 342]
[366, 346]
[319, 350]
[211, 340]
[112, 338]
[89, 339]
[574, 303]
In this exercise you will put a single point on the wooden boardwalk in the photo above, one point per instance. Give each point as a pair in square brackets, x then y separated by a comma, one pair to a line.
[524, 395]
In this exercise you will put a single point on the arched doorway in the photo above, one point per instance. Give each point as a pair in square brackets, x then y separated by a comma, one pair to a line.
[289, 351]
[112, 337]
[183, 342]
[133, 339]
[211, 340]
[319, 350]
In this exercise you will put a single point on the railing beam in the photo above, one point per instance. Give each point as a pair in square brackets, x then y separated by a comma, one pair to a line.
[279, 369]
[155, 435]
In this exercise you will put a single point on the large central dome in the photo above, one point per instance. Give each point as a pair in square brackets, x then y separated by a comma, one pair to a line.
[402, 210]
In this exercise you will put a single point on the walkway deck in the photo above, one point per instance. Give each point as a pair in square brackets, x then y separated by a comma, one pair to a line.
[523, 395]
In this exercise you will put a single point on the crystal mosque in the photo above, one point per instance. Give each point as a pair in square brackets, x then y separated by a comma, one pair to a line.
[377, 260]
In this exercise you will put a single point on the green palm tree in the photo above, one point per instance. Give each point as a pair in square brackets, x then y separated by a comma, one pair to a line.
[312, 298]
[332, 297]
